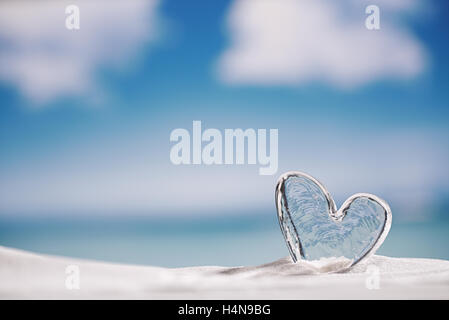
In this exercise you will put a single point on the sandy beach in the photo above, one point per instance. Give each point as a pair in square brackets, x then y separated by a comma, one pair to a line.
[25, 275]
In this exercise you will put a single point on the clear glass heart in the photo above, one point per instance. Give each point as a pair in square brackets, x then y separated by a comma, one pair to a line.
[314, 230]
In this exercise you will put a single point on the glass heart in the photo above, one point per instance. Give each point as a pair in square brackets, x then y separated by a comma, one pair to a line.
[315, 230]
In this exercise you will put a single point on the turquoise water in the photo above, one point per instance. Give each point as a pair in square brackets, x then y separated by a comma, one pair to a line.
[181, 241]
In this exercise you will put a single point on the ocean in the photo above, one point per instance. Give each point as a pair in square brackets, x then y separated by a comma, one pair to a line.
[177, 241]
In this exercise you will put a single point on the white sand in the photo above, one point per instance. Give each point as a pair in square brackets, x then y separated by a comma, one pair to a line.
[26, 275]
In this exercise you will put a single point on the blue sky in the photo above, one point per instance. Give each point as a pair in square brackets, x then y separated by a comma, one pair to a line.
[86, 115]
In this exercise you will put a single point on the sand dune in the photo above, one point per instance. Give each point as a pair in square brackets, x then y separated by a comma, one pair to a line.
[25, 275]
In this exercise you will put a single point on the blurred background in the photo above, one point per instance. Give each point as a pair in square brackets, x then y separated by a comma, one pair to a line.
[86, 117]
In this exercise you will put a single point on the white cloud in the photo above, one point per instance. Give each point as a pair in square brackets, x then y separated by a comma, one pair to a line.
[291, 42]
[45, 60]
